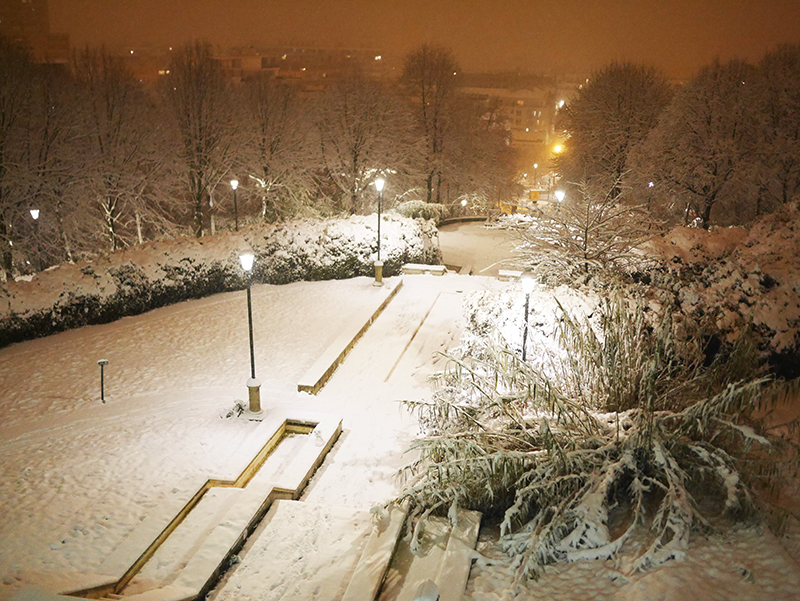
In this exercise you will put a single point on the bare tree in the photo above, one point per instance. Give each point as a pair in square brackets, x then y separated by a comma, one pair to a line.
[51, 164]
[778, 103]
[608, 117]
[16, 68]
[199, 100]
[430, 77]
[699, 150]
[120, 149]
[279, 154]
[480, 164]
[362, 131]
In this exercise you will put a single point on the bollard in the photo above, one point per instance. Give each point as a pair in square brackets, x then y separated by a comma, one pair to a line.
[378, 274]
[102, 363]
[254, 393]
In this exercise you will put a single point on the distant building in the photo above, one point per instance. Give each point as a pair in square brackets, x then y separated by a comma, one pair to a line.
[312, 67]
[27, 22]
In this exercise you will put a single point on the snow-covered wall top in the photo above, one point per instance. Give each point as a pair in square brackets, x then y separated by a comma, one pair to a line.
[160, 273]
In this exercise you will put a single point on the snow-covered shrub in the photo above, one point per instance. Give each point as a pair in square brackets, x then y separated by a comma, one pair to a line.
[161, 273]
[567, 460]
[419, 209]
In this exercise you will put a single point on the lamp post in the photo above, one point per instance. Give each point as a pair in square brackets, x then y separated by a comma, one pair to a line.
[527, 287]
[536, 174]
[560, 194]
[235, 185]
[379, 183]
[253, 385]
[35, 216]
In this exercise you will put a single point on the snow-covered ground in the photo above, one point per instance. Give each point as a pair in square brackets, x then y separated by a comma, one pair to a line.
[77, 474]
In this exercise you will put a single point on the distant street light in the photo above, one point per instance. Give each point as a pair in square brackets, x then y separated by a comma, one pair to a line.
[560, 195]
[234, 185]
[102, 363]
[379, 183]
[535, 174]
[253, 385]
[35, 215]
[527, 287]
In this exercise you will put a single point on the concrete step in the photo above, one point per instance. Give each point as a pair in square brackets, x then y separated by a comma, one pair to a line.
[323, 368]
[377, 555]
[301, 551]
[177, 552]
[444, 559]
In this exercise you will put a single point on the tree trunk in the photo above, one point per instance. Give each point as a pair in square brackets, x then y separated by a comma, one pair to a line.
[139, 235]
[213, 223]
[5, 239]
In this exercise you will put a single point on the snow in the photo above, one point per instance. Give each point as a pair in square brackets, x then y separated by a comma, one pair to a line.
[78, 476]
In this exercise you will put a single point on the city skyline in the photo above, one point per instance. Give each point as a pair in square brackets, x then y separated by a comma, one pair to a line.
[569, 36]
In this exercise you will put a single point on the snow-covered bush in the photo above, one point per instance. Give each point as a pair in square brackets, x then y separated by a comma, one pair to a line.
[419, 209]
[744, 279]
[162, 273]
[630, 426]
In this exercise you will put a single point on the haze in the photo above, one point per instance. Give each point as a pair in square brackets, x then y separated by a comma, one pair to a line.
[545, 36]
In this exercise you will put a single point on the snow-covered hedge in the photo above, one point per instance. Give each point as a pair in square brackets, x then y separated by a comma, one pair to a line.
[743, 278]
[162, 273]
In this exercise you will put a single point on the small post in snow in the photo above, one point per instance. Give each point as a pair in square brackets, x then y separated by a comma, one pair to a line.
[102, 363]
[527, 287]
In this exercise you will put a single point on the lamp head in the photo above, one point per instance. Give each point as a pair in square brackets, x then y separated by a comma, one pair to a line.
[102, 362]
[527, 283]
[560, 194]
[234, 183]
[35, 214]
[379, 184]
[247, 260]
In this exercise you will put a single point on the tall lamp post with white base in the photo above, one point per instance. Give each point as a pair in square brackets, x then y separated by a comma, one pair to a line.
[253, 384]
[379, 183]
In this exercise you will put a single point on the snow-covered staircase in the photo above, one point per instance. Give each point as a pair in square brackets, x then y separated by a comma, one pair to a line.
[177, 552]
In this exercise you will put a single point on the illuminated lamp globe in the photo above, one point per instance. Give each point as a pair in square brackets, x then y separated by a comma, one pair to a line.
[247, 261]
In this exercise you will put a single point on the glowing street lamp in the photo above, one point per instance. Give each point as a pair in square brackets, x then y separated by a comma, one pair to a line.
[253, 385]
[527, 288]
[379, 184]
[535, 173]
[235, 185]
[560, 195]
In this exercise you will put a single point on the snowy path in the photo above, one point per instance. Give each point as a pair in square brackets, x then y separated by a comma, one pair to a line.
[389, 364]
